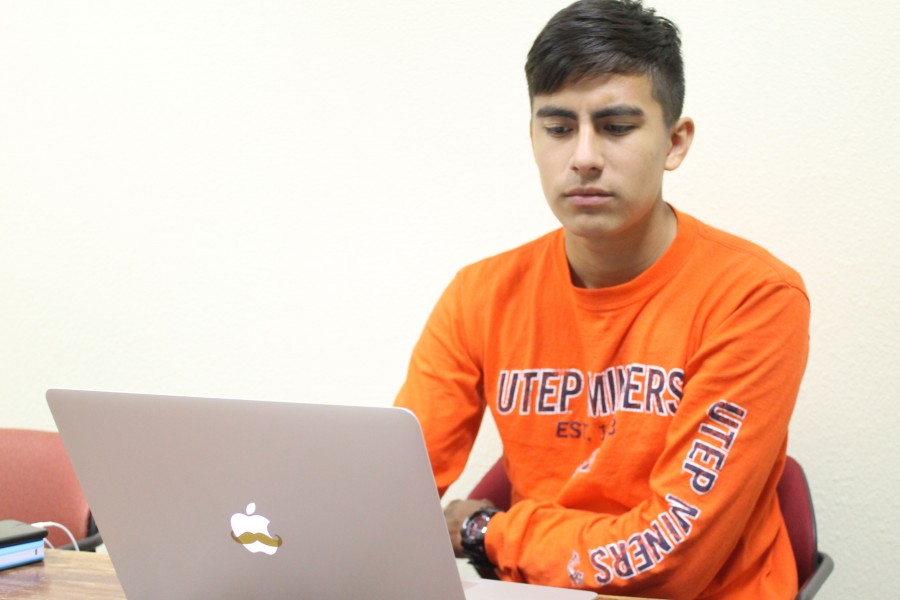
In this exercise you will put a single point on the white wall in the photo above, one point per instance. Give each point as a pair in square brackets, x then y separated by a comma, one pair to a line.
[264, 199]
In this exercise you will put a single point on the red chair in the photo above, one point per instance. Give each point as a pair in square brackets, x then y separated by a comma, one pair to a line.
[37, 483]
[494, 486]
[813, 567]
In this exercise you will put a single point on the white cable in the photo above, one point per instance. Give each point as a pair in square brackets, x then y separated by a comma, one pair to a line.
[46, 524]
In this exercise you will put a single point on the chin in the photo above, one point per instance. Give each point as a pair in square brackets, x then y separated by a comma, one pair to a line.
[591, 226]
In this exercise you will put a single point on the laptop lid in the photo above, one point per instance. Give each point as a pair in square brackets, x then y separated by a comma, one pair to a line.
[206, 498]
[228, 499]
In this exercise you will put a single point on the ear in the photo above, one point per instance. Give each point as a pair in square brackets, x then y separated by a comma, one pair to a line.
[680, 138]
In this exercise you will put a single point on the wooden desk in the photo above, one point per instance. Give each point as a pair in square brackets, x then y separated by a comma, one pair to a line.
[63, 575]
[66, 575]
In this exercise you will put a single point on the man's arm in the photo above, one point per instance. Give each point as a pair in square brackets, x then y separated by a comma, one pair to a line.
[444, 388]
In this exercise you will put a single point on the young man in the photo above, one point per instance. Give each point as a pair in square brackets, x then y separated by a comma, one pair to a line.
[641, 366]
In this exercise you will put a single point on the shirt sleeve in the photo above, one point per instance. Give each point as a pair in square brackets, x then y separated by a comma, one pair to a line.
[444, 388]
[712, 490]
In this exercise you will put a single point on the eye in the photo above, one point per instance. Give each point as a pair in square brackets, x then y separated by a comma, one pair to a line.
[557, 130]
[619, 129]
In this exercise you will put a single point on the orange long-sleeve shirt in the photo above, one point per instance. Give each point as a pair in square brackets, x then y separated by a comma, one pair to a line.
[644, 426]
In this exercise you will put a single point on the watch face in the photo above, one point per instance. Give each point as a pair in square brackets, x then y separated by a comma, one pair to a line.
[476, 524]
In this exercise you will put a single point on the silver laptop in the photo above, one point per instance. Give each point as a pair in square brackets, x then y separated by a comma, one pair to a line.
[234, 499]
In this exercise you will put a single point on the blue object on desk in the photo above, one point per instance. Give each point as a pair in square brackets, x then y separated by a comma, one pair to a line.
[21, 554]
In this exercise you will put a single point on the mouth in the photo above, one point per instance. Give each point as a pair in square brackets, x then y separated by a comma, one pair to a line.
[588, 196]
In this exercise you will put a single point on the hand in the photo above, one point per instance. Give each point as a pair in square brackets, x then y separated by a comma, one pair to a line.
[455, 513]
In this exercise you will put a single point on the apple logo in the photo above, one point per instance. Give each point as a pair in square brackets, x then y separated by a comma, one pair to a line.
[252, 531]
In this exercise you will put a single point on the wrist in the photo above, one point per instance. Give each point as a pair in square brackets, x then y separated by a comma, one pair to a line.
[472, 534]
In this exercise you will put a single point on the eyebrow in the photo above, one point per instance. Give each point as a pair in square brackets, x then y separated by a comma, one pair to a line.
[556, 111]
[618, 110]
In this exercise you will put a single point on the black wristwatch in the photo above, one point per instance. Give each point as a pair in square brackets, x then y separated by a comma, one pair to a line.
[472, 536]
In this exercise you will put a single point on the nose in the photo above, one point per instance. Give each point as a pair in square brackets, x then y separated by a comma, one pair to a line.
[587, 155]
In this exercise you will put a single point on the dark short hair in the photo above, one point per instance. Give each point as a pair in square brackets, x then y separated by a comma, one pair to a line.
[597, 37]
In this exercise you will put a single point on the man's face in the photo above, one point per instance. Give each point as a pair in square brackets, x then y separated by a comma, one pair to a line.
[601, 147]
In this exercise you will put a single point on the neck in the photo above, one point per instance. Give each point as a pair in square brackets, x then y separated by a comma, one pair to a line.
[600, 262]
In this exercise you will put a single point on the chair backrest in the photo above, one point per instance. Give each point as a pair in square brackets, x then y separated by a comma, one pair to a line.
[37, 483]
[494, 486]
[799, 518]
